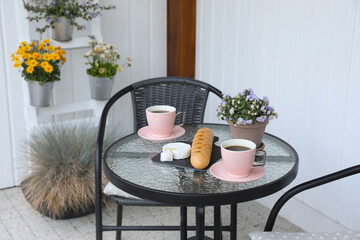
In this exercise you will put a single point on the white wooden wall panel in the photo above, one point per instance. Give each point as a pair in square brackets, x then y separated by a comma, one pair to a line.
[349, 194]
[158, 38]
[15, 86]
[304, 55]
[6, 170]
[139, 30]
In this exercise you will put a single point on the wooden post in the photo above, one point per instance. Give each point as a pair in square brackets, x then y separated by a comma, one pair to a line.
[181, 38]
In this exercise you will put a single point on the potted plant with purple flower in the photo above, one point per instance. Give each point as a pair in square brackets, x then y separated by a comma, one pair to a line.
[247, 115]
[62, 15]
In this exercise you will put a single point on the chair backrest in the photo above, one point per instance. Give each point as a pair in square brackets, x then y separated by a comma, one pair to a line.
[184, 94]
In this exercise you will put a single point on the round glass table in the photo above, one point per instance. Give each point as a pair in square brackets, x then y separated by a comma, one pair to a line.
[128, 165]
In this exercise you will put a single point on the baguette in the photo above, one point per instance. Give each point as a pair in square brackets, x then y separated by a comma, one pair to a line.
[201, 148]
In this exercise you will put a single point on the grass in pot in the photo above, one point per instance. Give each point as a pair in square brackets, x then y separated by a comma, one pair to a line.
[61, 180]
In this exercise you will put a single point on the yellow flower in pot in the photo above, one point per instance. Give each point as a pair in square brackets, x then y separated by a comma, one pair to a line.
[247, 115]
[40, 66]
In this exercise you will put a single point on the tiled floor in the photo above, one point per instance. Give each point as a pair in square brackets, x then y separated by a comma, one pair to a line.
[19, 221]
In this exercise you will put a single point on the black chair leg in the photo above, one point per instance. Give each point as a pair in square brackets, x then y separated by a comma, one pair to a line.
[119, 220]
[233, 221]
[183, 223]
[217, 223]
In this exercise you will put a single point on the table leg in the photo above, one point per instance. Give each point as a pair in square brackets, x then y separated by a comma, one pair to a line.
[200, 222]
[217, 223]
[233, 221]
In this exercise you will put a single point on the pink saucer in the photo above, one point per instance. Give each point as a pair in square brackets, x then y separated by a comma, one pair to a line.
[145, 132]
[218, 170]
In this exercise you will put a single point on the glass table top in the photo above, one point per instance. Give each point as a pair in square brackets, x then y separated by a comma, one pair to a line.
[130, 159]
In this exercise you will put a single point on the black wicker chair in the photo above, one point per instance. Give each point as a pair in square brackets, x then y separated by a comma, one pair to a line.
[185, 94]
[292, 192]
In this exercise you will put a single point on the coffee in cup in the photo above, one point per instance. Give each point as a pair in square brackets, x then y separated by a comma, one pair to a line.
[238, 157]
[161, 119]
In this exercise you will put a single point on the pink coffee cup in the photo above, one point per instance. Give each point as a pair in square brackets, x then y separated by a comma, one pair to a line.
[161, 119]
[238, 157]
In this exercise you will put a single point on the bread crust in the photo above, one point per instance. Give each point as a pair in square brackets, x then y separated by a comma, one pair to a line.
[201, 148]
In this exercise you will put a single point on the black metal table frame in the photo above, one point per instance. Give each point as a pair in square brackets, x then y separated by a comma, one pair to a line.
[216, 200]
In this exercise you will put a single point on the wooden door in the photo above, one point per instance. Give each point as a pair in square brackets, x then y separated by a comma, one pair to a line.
[181, 38]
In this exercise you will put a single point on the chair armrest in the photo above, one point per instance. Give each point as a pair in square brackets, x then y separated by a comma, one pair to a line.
[305, 186]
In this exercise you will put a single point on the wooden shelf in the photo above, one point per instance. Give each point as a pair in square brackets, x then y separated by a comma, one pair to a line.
[80, 42]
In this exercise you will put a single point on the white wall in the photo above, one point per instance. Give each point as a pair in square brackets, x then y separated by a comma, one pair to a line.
[6, 171]
[12, 98]
[305, 56]
[138, 28]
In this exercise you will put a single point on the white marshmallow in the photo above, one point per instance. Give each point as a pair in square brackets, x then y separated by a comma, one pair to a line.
[179, 150]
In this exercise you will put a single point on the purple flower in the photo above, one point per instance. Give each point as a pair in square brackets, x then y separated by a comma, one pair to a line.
[230, 118]
[83, 28]
[49, 21]
[268, 112]
[37, 28]
[269, 108]
[249, 121]
[260, 119]
[250, 90]
[114, 7]
[265, 98]
[94, 15]
[83, 5]
[67, 12]
[271, 117]
[240, 120]
[59, 20]
[263, 108]
[248, 97]
[54, 2]
[232, 110]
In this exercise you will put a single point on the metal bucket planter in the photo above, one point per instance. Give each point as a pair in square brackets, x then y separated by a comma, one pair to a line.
[40, 95]
[100, 87]
[62, 30]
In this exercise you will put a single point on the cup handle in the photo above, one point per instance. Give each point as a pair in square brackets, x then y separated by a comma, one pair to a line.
[263, 159]
[183, 118]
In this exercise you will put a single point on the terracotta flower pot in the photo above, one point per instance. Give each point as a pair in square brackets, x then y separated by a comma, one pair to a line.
[252, 132]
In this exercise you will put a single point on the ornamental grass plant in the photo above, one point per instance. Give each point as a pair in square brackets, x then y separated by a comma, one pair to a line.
[53, 10]
[103, 59]
[61, 183]
[39, 62]
[245, 108]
